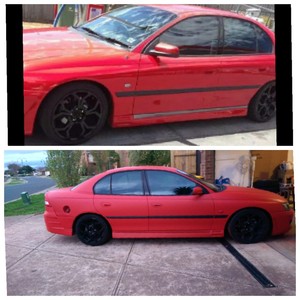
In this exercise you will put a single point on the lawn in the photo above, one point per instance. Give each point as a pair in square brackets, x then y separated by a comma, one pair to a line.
[17, 208]
[14, 181]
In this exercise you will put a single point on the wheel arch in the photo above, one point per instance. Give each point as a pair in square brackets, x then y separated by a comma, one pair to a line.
[88, 213]
[104, 89]
[226, 232]
[257, 93]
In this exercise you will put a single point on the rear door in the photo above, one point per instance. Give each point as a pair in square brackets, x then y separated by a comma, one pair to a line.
[120, 198]
[247, 61]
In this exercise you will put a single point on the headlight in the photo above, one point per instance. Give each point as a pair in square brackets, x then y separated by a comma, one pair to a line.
[286, 206]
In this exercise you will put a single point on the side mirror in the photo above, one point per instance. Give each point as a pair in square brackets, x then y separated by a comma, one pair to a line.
[197, 191]
[164, 49]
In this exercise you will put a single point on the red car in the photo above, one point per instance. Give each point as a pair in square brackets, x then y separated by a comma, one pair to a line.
[161, 202]
[147, 64]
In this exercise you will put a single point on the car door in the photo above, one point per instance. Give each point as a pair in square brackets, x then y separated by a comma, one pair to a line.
[173, 208]
[247, 61]
[181, 88]
[121, 199]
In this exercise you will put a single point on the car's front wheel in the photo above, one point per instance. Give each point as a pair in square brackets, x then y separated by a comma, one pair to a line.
[73, 113]
[249, 226]
[263, 106]
[92, 230]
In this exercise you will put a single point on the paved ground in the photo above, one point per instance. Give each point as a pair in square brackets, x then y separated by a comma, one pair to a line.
[234, 131]
[41, 263]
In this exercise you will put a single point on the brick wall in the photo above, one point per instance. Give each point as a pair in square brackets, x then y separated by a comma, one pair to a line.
[207, 166]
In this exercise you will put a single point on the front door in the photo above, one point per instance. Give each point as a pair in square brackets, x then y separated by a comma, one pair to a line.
[184, 87]
[173, 208]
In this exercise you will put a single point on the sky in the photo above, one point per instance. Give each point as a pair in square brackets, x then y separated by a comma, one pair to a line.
[33, 158]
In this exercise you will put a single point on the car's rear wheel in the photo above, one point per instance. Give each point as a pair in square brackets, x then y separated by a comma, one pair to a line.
[73, 113]
[263, 106]
[249, 226]
[92, 230]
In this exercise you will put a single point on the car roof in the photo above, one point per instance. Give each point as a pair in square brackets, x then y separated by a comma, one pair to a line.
[133, 168]
[181, 9]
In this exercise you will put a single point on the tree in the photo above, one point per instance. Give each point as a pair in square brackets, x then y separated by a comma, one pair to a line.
[149, 157]
[26, 170]
[104, 159]
[13, 168]
[64, 166]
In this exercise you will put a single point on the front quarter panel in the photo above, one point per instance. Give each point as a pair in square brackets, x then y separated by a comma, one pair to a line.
[230, 201]
[115, 74]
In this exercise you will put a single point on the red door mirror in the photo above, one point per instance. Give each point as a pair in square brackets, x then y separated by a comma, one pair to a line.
[164, 49]
[197, 191]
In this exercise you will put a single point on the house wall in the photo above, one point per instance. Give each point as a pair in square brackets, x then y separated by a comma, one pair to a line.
[235, 165]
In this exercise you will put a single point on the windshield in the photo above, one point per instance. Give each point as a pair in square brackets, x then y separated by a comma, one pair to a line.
[129, 25]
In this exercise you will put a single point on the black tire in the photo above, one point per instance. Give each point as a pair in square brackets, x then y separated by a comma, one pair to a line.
[92, 230]
[249, 226]
[262, 107]
[73, 113]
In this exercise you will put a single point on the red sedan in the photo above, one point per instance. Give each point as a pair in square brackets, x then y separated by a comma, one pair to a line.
[147, 64]
[161, 202]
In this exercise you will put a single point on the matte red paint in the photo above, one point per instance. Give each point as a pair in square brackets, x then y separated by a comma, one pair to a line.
[55, 56]
[140, 210]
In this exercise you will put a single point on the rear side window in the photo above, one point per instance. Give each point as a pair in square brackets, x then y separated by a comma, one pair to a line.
[243, 37]
[124, 183]
[265, 44]
[102, 187]
[127, 183]
[239, 37]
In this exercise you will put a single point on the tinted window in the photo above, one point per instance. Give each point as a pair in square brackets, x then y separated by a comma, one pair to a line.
[239, 37]
[195, 36]
[166, 183]
[127, 183]
[102, 187]
[265, 44]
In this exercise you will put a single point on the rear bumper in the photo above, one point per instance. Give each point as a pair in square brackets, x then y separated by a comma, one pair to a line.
[56, 225]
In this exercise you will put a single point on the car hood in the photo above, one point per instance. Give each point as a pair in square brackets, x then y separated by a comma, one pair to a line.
[252, 194]
[64, 45]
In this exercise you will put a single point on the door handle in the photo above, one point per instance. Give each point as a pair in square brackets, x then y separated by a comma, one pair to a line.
[156, 204]
[106, 204]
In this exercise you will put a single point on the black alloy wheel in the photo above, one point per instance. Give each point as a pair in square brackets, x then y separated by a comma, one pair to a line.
[263, 106]
[92, 230]
[74, 113]
[249, 226]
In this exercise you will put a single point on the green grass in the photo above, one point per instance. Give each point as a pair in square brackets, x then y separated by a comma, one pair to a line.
[14, 181]
[17, 208]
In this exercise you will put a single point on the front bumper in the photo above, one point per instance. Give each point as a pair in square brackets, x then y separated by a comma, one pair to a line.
[282, 222]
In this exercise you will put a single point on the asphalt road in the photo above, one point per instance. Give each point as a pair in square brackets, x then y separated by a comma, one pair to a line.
[34, 184]
[183, 133]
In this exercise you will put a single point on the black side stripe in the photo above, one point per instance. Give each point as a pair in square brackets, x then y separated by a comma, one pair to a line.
[184, 91]
[170, 217]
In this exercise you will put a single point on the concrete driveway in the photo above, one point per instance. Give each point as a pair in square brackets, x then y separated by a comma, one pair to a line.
[221, 132]
[41, 263]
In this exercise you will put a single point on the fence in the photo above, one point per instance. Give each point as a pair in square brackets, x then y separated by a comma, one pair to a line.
[43, 13]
